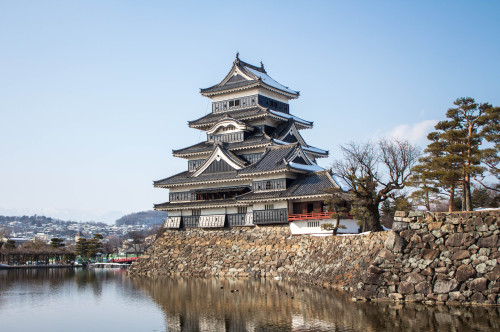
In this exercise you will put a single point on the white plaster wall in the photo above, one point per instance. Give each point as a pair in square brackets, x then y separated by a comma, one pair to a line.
[213, 185]
[254, 91]
[277, 205]
[207, 212]
[272, 176]
[300, 227]
[232, 210]
[351, 226]
[174, 213]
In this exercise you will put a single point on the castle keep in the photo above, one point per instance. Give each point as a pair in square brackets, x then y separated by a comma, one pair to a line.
[254, 168]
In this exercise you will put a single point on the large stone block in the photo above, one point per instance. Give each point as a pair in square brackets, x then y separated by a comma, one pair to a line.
[435, 225]
[477, 298]
[394, 243]
[445, 286]
[479, 285]
[401, 214]
[423, 287]
[457, 239]
[399, 226]
[488, 242]
[406, 287]
[414, 278]
[461, 254]
[430, 254]
[465, 272]
[493, 275]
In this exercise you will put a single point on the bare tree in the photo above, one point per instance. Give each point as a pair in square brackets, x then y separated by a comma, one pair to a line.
[138, 243]
[373, 172]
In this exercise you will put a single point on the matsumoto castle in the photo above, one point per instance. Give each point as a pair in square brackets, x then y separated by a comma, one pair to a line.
[254, 168]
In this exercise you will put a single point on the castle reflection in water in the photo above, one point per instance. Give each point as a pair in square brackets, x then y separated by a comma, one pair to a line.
[117, 302]
[269, 305]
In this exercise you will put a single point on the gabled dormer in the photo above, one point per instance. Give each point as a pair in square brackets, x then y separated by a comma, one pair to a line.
[228, 130]
[282, 158]
[220, 161]
[289, 133]
[244, 76]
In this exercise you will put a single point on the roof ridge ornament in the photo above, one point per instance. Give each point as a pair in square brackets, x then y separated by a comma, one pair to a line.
[262, 66]
[237, 57]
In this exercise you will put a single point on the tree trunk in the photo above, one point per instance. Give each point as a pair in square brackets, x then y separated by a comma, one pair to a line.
[374, 220]
[467, 194]
[427, 201]
[464, 197]
[337, 223]
[452, 198]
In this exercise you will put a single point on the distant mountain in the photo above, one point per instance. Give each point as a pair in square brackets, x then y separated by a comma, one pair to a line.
[143, 217]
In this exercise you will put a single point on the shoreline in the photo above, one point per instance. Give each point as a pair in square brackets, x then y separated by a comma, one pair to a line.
[32, 267]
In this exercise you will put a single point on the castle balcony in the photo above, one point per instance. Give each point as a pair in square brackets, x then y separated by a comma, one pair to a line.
[309, 216]
[314, 216]
[240, 219]
[274, 216]
[191, 221]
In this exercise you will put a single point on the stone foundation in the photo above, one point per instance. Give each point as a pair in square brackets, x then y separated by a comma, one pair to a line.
[439, 257]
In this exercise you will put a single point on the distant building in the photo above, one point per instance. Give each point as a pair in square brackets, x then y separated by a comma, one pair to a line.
[254, 168]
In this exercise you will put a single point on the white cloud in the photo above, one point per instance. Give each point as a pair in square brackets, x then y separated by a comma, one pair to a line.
[415, 133]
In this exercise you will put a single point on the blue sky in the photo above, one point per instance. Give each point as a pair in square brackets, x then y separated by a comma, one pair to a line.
[94, 95]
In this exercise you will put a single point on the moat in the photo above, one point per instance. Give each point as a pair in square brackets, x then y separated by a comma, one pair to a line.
[109, 300]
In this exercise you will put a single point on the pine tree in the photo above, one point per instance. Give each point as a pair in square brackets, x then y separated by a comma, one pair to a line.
[491, 132]
[440, 168]
[423, 179]
[56, 242]
[82, 247]
[462, 132]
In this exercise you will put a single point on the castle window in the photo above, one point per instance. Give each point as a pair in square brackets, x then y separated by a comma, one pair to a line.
[196, 212]
[242, 209]
[269, 207]
[268, 185]
[234, 103]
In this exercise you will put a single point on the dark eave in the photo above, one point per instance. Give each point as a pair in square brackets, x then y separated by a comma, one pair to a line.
[306, 185]
[257, 112]
[186, 178]
[198, 204]
[273, 160]
[204, 148]
[253, 76]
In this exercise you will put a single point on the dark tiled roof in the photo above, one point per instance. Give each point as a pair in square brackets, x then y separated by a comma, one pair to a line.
[272, 160]
[283, 129]
[314, 183]
[185, 178]
[212, 118]
[310, 184]
[260, 195]
[195, 204]
[198, 147]
[209, 146]
[228, 85]
[255, 76]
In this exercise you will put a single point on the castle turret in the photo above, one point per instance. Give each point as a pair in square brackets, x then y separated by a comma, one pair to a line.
[254, 168]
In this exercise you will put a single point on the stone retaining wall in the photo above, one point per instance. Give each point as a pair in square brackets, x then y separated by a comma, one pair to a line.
[268, 251]
[438, 257]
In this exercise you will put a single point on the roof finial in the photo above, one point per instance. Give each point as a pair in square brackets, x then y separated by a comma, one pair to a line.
[262, 65]
[237, 55]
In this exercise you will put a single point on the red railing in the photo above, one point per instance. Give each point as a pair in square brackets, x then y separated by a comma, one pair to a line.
[123, 260]
[313, 215]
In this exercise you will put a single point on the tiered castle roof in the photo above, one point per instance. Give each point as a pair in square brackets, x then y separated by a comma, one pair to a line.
[251, 136]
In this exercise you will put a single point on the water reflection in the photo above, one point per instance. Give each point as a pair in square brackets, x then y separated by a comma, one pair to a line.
[112, 301]
[268, 305]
